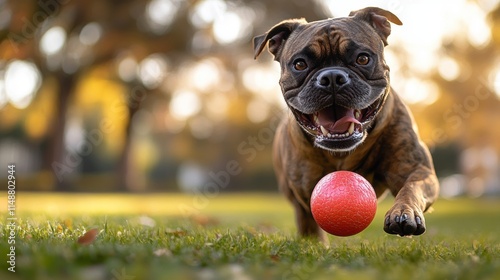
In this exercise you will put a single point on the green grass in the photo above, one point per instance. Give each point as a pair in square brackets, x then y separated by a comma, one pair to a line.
[250, 236]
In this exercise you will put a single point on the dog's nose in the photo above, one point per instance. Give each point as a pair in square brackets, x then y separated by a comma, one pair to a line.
[332, 78]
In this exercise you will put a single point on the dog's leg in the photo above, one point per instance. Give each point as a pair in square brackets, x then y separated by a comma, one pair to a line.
[409, 174]
[412, 200]
[306, 224]
[290, 175]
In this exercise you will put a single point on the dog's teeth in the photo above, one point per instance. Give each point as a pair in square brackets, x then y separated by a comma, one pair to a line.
[316, 120]
[357, 114]
[351, 128]
[329, 135]
[324, 130]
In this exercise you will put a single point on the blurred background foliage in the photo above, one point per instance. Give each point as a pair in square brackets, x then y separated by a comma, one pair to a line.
[160, 95]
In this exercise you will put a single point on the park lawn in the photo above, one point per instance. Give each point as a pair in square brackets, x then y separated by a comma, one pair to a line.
[235, 236]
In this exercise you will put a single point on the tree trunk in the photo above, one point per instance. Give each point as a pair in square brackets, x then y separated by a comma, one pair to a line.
[56, 159]
[127, 176]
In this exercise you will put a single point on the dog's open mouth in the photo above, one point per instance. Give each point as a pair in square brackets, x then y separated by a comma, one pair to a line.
[338, 123]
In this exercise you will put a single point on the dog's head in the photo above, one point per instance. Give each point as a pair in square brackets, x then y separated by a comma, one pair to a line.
[333, 73]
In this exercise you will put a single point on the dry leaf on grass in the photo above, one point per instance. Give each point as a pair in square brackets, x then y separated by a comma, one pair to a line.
[89, 237]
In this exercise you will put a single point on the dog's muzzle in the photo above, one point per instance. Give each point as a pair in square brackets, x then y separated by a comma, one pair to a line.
[335, 127]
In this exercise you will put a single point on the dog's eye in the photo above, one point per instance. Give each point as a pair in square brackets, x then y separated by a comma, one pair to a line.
[300, 65]
[362, 59]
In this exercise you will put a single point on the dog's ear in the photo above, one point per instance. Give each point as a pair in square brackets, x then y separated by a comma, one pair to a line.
[276, 36]
[378, 19]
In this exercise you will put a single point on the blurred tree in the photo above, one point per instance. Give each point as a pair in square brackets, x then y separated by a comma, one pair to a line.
[468, 109]
[189, 64]
[66, 39]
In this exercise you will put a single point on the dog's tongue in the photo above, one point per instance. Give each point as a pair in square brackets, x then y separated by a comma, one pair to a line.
[336, 119]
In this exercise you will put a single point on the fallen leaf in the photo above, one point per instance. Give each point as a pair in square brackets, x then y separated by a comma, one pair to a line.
[88, 237]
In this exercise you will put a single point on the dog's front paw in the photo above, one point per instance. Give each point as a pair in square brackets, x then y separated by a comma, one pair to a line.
[404, 220]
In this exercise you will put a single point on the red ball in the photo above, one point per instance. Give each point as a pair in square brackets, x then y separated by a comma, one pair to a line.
[343, 203]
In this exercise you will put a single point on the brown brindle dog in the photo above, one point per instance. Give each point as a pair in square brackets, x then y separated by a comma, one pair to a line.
[345, 116]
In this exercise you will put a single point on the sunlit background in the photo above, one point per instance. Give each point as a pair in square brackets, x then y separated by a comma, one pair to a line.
[160, 95]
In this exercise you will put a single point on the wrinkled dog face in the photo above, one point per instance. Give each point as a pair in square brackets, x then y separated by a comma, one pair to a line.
[333, 74]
